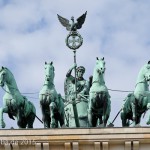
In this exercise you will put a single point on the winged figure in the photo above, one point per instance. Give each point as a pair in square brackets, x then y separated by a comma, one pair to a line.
[74, 25]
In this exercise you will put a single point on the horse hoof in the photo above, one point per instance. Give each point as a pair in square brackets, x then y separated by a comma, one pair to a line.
[110, 125]
[3, 125]
[148, 122]
[64, 126]
[137, 125]
[53, 126]
[101, 126]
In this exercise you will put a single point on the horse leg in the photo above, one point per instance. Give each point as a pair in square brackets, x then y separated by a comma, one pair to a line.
[148, 107]
[92, 119]
[21, 119]
[21, 125]
[106, 110]
[61, 113]
[148, 120]
[61, 120]
[46, 120]
[60, 117]
[21, 122]
[138, 119]
[3, 110]
[125, 123]
[46, 116]
[123, 119]
[53, 121]
[105, 120]
[45, 110]
[100, 120]
[133, 106]
[30, 120]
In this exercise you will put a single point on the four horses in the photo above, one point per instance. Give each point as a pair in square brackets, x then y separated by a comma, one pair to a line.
[99, 102]
[14, 103]
[51, 103]
[138, 102]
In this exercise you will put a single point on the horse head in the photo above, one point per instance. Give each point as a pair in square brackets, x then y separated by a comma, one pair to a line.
[2, 76]
[147, 72]
[49, 71]
[100, 65]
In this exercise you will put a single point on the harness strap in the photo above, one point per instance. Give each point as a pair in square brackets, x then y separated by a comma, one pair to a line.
[142, 81]
[97, 82]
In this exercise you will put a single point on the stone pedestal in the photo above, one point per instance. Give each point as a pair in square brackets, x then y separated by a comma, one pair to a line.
[76, 139]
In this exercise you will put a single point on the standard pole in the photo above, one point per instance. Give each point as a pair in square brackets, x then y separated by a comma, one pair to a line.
[74, 100]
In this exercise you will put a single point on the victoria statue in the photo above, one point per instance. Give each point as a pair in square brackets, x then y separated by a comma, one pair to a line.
[82, 90]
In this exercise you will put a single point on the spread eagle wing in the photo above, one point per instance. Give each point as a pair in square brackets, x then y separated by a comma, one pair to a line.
[81, 20]
[64, 22]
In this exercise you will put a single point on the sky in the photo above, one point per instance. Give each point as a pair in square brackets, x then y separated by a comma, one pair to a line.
[31, 34]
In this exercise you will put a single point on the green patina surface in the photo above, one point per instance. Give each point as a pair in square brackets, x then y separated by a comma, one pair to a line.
[138, 102]
[82, 96]
[15, 104]
[52, 105]
[99, 100]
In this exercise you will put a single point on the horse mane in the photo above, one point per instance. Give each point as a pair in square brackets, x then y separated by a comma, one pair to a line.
[9, 71]
[11, 76]
[141, 72]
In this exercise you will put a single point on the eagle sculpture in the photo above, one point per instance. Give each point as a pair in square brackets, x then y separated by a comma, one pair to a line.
[75, 25]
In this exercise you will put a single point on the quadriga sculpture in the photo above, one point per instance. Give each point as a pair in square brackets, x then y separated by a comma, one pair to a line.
[99, 103]
[51, 103]
[138, 102]
[15, 104]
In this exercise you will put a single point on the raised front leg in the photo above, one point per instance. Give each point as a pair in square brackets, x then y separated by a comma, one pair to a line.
[3, 110]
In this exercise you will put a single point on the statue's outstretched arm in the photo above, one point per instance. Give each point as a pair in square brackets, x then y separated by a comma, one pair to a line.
[69, 73]
[70, 70]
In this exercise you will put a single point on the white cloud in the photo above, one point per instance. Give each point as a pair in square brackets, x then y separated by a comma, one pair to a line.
[31, 34]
